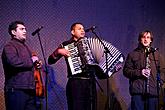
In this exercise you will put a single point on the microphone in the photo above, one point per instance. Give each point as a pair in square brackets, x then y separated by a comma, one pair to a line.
[90, 29]
[36, 31]
[152, 50]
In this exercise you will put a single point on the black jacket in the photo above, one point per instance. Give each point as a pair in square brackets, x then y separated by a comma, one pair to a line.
[135, 62]
[18, 66]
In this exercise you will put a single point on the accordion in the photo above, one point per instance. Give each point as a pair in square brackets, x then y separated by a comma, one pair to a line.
[90, 51]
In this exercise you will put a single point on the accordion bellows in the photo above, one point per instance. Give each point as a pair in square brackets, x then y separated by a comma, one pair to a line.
[90, 51]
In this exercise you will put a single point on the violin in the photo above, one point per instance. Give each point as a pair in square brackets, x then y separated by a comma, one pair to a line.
[39, 81]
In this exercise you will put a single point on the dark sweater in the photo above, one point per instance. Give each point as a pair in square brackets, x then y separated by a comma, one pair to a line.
[18, 66]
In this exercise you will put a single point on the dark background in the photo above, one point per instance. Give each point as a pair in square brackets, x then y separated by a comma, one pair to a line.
[117, 21]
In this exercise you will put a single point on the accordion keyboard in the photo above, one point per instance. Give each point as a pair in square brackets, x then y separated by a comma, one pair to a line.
[74, 60]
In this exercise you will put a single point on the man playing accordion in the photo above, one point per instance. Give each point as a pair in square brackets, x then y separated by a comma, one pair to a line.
[83, 63]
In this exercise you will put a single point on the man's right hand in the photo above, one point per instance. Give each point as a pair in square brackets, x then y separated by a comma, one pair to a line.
[63, 52]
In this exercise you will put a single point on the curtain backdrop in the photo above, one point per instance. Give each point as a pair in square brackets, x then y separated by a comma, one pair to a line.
[117, 21]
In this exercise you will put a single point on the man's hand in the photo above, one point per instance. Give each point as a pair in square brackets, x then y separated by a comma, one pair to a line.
[64, 52]
[34, 58]
[146, 72]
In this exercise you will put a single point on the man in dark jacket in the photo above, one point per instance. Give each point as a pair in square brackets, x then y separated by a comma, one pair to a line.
[18, 66]
[142, 67]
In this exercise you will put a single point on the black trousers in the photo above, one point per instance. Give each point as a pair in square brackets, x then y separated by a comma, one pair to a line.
[81, 94]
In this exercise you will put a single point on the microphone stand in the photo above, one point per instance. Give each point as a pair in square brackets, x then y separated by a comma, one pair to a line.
[46, 69]
[158, 79]
[106, 51]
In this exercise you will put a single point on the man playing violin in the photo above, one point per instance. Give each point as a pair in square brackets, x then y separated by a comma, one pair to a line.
[18, 64]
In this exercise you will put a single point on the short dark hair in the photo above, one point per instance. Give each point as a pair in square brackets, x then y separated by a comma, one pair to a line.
[13, 26]
[141, 34]
[74, 24]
